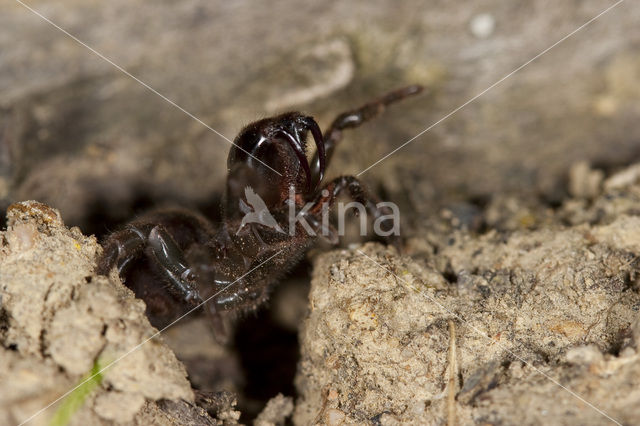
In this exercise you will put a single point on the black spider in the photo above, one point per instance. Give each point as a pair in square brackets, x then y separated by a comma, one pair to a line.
[174, 259]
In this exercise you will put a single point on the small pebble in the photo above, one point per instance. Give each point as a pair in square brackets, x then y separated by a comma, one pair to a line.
[334, 417]
[482, 25]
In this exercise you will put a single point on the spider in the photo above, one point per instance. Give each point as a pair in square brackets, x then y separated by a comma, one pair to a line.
[175, 259]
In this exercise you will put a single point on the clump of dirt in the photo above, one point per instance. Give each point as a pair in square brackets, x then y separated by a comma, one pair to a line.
[60, 324]
[516, 327]
[275, 412]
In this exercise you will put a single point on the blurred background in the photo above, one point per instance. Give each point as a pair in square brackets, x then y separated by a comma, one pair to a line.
[80, 135]
[77, 133]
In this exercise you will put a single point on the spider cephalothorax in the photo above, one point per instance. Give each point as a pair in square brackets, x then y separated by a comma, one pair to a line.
[175, 259]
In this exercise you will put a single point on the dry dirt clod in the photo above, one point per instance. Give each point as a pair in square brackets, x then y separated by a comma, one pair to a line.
[59, 320]
[277, 410]
[533, 309]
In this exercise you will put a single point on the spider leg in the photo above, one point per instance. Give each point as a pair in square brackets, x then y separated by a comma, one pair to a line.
[382, 214]
[120, 248]
[171, 259]
[355, 118]
[130, 243]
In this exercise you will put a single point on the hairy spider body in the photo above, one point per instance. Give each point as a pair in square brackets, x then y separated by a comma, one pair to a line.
[175, 259]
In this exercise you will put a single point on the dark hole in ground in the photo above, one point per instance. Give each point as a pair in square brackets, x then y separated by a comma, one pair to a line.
[269, 355]
[268, 352]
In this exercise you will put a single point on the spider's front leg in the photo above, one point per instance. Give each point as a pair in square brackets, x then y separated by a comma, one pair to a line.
[355, 118]
[386, 219]
[136, 239]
